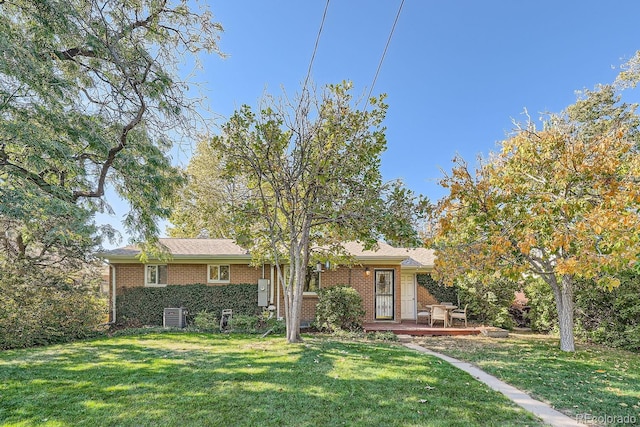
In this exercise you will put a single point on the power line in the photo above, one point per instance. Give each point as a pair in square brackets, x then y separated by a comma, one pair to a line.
[384, 53]
[315, 48]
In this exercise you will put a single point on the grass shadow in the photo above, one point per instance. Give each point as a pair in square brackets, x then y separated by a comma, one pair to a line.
[201, 379]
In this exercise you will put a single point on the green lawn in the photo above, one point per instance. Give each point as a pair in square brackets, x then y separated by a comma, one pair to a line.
[211, 379]
[594, 380]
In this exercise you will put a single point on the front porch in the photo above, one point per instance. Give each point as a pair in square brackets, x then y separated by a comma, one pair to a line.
[409, 327]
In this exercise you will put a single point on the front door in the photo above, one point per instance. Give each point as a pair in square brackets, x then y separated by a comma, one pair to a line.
[384, 294]
[408, 293]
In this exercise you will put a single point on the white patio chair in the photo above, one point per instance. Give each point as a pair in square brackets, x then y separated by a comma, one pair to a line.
[459, 314]
[439, 312]
[423, 312]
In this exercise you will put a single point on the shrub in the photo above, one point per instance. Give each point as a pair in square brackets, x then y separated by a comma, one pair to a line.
[244, 324]
[488, 302]
[32, 315]
[502, 319]
[276, 326]
[439, 291]
[207, 321]
[146, 305]
[382, 336]
[605, 317]
[210, 322]
[543, 314]
[268, 322]
[339, 308]
[610, 317]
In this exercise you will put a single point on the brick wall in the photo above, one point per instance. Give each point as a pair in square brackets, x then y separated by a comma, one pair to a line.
[362, 283]
[424, 297]
[128, 276]
[308, 308]
[132, 275]
[243, 273]
[186, 274]
[365, 286]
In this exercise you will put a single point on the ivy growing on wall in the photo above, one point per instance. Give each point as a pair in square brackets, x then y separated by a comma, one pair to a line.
[439, 291]
[145, 306]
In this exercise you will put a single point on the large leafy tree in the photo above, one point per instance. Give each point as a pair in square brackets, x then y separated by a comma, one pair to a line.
[205, 204]
[558, 202]
[90, 99]
[313, 168]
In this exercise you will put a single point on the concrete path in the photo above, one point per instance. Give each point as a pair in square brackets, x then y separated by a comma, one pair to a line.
[537, 408]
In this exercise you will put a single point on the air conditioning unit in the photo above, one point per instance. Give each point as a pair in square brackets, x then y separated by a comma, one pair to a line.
[174, 317]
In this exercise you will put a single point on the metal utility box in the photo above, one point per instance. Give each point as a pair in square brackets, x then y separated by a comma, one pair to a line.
[263, 292]
[174, 317]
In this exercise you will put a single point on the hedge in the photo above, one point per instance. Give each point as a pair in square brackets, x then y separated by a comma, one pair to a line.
[439, 291]
[145, 306]
[490, 302]
[610, 317]
[32, 315]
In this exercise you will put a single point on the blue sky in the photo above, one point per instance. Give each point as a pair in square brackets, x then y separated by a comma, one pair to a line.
[457, 72]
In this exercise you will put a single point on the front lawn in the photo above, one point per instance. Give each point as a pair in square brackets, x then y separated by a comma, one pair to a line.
[595, 381]
[228, 380]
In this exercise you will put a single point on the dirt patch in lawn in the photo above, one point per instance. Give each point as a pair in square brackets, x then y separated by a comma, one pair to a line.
[472, 343]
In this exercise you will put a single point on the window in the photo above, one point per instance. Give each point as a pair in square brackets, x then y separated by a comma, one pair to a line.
[156, 275]
[312, 279]
[312, 282]
[219, 273]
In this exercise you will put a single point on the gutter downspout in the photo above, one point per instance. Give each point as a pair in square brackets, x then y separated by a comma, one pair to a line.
[278, 300]
[113, 290]
[272, 290]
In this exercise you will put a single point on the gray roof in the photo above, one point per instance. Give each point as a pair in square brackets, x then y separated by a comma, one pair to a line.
[419, 257]
[203, 247]
[221, 248]
[186, 248]
[384, 250]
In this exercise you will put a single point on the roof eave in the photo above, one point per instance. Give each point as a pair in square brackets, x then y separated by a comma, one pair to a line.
[417, 269]
[378, 259]
[179, 258]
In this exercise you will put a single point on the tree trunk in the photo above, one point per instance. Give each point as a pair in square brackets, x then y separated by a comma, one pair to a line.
[293, 327]
[297, 270]
[563, 294]
[292, 307]
[293, 314]
[299, 260]
[285, 282]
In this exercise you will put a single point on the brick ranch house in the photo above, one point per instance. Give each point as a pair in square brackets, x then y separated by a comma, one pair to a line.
[385, 278]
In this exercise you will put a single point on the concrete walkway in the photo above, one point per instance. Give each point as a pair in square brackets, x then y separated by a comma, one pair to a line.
[537, 408]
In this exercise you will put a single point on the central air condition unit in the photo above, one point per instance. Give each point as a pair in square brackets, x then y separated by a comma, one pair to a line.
[174, 317]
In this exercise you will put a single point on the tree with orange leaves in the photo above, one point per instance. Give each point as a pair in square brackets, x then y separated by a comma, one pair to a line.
[559, 202]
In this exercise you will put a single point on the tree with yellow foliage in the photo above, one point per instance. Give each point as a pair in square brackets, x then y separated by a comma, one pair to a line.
[558, 202]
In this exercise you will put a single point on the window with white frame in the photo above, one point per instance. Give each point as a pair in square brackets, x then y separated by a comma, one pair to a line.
[156, 275]
[219, 273]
